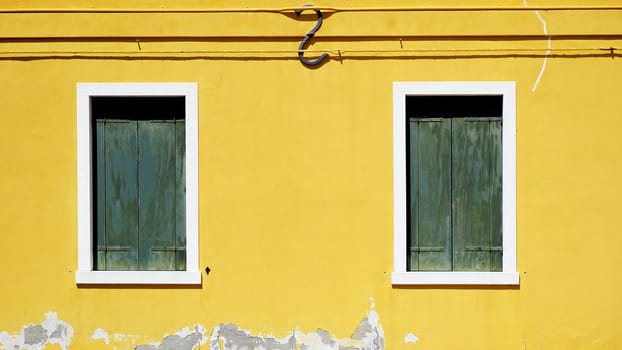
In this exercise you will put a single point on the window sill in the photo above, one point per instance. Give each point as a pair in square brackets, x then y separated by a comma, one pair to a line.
[454, 278]
[138, 277]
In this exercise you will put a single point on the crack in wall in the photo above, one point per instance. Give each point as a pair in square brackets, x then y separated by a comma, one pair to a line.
[548, 48]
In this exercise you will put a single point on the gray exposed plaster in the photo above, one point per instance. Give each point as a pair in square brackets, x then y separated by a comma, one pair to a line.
[363, 328]
[175, 342]
[235, 338]
[35, 334]
[367, 330]
[38, 336]
[325, 336]
[367, 336]
[60, 332]
[186, 339]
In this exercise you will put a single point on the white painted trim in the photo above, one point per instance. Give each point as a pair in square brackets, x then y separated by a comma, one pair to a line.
[401, 276]
[85, 273]
[138, 277]
[454, 278]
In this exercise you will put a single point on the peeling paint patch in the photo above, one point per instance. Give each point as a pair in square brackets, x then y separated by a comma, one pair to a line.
[411, 338]
[231, 337]
[368, 335]
[119, 337]
[186, 339]
[548, 48]
[99, 333]
[125, 341]
[37, 336]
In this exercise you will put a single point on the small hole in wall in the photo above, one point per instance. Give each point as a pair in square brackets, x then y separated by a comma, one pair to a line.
[207, 270]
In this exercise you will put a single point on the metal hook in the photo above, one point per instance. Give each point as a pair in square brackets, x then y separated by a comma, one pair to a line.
[308, 37]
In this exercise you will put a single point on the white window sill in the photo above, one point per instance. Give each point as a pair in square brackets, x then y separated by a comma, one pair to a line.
[138, 277]
[455, 278]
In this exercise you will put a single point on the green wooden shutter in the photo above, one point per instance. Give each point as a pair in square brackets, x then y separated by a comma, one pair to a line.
[157, 194]
[476, 193]
[140, 183]
[430, 194]
[117, 195]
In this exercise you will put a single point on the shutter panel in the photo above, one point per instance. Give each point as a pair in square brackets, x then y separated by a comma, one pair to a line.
[180, 195]
[120, 194]
[476, 192]
[157, 193]
[430, 194]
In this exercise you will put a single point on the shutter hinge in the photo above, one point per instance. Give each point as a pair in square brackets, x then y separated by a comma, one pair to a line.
[483, 119]
[426, 120]
[479, 248]
[427, 249]
[167, 249]
[114, 249]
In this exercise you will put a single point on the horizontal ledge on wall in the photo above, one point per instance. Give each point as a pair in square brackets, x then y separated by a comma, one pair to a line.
[405, 37]
[334, 53]
[420, 25]
[289, 10]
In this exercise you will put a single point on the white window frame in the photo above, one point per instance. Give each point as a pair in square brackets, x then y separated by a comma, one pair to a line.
[85, 273]
[508, 275]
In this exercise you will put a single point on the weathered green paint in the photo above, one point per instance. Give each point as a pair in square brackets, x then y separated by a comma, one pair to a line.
[100, 187]
[120, 195]
[455, 194]
[474, 167]
[430, 194]
[496, 197]
[180, 195]
[143, 186]
[157, 194]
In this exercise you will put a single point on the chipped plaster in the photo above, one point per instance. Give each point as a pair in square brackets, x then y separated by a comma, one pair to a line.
[411, 338]
[100, 333]
[37, 336]
[368, 335]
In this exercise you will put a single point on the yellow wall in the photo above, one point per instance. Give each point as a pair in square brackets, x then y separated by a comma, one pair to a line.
[295, 170]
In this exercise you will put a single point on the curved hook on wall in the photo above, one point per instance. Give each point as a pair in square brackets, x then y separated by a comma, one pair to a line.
[308, 37]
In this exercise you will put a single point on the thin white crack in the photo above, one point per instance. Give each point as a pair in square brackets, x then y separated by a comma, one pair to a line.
[548, 48]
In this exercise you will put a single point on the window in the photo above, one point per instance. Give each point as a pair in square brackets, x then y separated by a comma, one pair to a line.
[454, 183]
[137, 183]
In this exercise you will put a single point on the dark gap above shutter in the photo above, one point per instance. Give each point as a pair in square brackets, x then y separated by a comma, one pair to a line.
[440, 106]
[139, 108]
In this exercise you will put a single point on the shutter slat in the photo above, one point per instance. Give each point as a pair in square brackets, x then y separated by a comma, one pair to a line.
[496, 203]
[180, 195]
[100, 204]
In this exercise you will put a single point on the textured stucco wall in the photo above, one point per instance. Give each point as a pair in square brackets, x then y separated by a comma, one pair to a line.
[295, 177]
